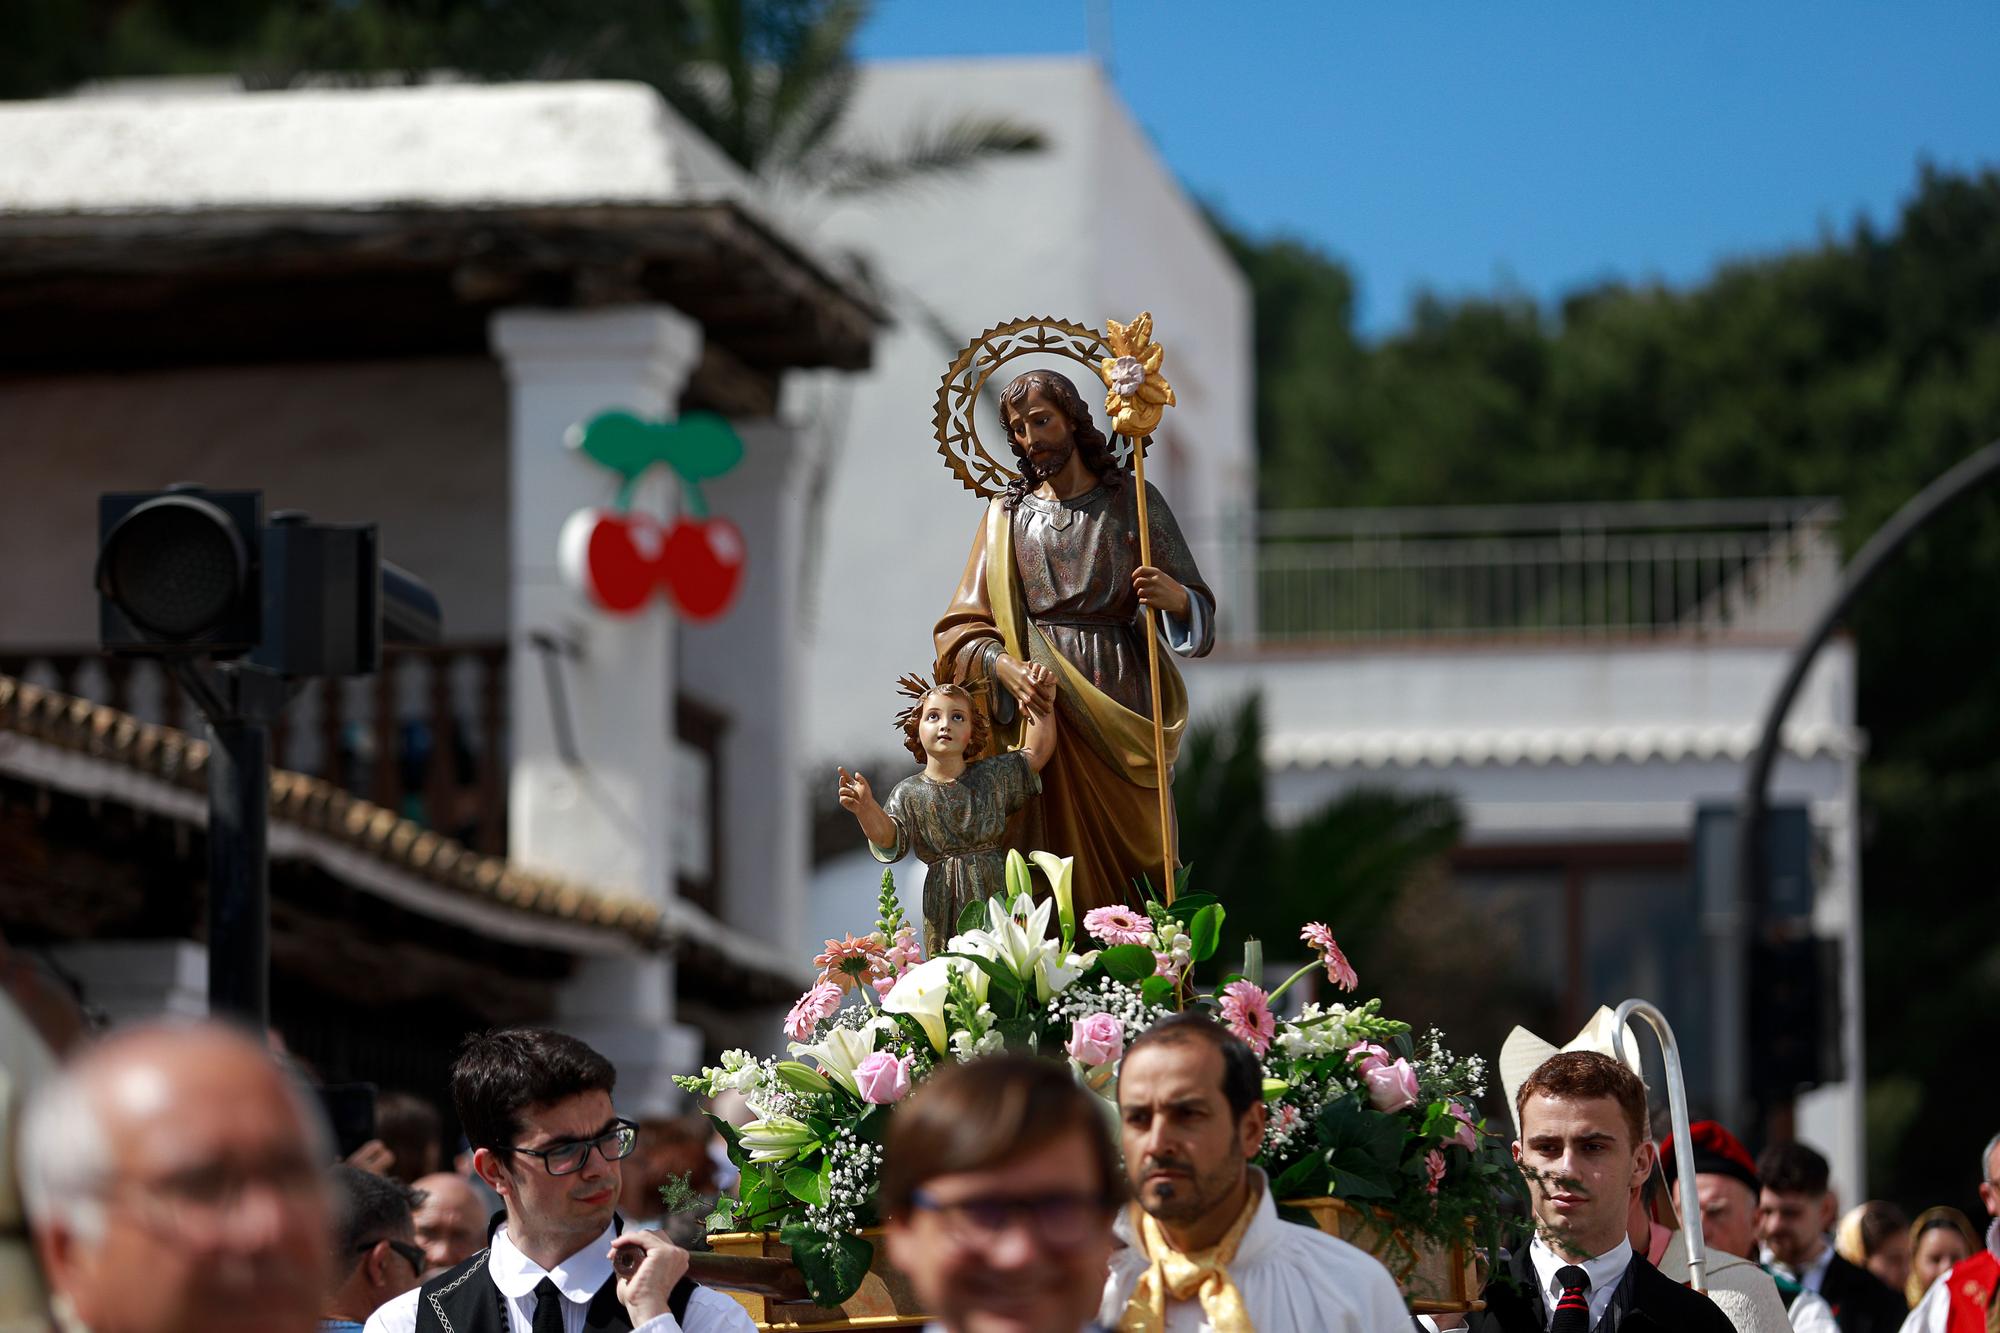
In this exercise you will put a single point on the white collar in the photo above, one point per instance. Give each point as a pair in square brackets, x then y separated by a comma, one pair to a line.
[1810, 1276]
[577, 1277]
[1605, 1272]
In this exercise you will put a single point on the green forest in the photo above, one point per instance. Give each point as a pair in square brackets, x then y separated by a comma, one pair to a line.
[1860, 368]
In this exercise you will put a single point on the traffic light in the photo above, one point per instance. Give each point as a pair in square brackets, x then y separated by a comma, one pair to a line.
[189, 572]
[241, 612]
[178, 571]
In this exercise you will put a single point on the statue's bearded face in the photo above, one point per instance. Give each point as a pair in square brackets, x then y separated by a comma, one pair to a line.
[1041, 430]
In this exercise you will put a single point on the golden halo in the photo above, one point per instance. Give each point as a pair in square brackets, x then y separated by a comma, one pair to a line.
[958, 394]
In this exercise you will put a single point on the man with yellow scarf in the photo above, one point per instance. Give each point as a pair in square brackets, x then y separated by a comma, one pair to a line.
[1205, 1249]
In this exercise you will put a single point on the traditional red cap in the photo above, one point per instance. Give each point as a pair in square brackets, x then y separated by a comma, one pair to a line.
[1716, 1152]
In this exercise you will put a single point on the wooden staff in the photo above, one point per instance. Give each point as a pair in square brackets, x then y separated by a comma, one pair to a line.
[1153, 673]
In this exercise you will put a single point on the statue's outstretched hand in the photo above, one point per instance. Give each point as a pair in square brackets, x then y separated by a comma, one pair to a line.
[855, 793]
[858, 799]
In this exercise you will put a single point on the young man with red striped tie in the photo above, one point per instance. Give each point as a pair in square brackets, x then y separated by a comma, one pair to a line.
[1585, 1152]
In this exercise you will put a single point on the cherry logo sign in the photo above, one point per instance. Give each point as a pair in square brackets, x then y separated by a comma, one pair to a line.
[618, 557]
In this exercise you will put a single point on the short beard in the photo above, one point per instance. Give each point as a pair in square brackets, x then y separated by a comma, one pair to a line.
[1190, 1198]
[1057, 462]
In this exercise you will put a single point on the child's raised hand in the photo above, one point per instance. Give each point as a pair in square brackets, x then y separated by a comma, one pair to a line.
[855, 793]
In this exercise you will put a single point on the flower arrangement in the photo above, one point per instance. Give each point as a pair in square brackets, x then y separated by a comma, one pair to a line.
[1356, 1109]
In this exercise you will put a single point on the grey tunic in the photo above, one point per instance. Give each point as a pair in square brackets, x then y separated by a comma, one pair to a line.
[1076, 559]
[958, 829]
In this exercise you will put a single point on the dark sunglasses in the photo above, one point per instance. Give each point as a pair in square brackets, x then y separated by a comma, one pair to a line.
[412, 1255]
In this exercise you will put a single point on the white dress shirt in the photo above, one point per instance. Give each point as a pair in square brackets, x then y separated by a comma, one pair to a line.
[1604, 1272]
[1290, 1277]
[1809, 1276]
[578, 1278]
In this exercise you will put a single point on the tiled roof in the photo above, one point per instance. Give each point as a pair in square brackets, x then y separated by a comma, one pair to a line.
[316, 806]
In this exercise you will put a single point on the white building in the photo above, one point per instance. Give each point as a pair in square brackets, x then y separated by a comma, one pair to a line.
[391, 305]
[1584, 680]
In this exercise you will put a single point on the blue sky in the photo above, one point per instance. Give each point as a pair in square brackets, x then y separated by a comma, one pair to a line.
[1536, 146]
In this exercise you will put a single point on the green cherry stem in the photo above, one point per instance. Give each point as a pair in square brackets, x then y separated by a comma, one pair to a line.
[628, 488]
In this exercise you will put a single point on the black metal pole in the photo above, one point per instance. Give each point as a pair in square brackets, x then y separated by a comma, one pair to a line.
[239, 885]
[1964, 478]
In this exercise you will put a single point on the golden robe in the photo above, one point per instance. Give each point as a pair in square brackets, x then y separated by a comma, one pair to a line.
[1051, 582]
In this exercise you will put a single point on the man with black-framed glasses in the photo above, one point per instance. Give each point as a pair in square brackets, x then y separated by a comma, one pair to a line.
[536, 1107]
[375, 1254]
[999, 1183]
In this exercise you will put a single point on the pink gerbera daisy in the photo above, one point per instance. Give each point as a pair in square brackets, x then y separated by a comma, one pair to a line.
[1246, 1011]
[819, 1002]
[855, 959]
[1338, 970]
[1118, 925]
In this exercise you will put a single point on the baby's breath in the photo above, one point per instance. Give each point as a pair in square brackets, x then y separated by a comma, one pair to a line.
[853, 1169]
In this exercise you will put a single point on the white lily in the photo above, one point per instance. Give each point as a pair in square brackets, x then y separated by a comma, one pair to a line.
[1016, 935]
[1053, 977]
[838, 1053]
[923, 991]
[1061, 871]
[776, 1138]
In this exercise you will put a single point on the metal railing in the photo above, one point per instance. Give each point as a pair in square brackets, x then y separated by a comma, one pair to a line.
[1692, 569]
[425, 737]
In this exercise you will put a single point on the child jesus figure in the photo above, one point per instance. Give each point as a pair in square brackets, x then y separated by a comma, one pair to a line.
[954, 812]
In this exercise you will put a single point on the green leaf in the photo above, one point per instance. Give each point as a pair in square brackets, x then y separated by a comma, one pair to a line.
[1129, 963]
[732, 1140]
[807, 1184]
[1001, 977]
[1205, 932]
[833, 1266]
[1156, 990]
[1362, 1148]
[1302, 1178]
[1185, 908]
[619, 441]
[698, 446]
[723, 1216]
[972, 917]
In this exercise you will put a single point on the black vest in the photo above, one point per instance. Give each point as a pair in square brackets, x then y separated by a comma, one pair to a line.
[464, 1299]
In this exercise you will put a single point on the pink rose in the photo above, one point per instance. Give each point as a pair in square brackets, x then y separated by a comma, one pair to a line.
[1392, 1087]
[1467, 1134]
[1367, 1055]
[1434, 1168]
[1096, 1039]
[882, 1078]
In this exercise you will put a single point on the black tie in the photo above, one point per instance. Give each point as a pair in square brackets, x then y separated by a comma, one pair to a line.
[549, 1308]
[1572, 1311]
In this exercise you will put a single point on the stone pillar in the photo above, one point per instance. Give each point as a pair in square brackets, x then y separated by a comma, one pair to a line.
[749, 664]
[599, 816]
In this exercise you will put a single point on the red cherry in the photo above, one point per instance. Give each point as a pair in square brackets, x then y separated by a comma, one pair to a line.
[610, 558]
[703, 565]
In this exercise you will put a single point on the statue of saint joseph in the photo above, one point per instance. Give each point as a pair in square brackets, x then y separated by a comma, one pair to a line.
[1054, 579]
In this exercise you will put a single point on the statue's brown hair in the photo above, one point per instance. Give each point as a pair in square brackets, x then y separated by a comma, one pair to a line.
[919, 690]
[1097, 452]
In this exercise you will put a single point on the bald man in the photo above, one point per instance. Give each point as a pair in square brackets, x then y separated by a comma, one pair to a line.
[451, 1221]
[173, 1183]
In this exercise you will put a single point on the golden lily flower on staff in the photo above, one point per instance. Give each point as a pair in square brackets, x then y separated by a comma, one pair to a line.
[1140, 394]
